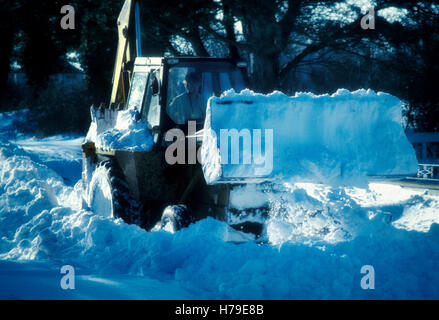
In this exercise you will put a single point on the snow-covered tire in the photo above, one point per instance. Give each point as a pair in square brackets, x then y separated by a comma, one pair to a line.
[108, 194]
[175, 217]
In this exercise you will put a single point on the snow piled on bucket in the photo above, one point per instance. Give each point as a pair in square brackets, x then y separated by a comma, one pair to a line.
[334, 139]
[119, 130]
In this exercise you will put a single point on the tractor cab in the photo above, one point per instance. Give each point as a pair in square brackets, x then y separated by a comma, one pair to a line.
[169, 92]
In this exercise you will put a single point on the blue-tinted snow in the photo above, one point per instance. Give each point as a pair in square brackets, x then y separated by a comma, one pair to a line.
[318, 238]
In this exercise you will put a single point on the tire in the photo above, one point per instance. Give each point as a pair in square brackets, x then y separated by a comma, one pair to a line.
[175, 218]
[109, 196]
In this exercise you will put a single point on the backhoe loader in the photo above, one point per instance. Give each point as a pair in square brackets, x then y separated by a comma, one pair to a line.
[142, 185]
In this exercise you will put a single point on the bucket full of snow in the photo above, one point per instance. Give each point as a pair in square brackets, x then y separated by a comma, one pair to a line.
[333, 139]
[119, 130]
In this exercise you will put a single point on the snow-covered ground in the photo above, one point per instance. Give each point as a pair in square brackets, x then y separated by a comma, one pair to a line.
[318, 239]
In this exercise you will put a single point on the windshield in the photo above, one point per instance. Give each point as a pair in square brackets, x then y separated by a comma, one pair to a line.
[190, 85]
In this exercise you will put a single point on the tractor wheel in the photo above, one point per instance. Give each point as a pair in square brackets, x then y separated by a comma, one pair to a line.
[175, 218]
[109, 195]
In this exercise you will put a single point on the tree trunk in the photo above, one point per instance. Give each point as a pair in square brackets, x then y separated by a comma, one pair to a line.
[230, 32]
[265, 75]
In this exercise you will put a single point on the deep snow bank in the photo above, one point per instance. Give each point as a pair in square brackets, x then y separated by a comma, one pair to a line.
[332, 139]
[60, 153]
[319, 238]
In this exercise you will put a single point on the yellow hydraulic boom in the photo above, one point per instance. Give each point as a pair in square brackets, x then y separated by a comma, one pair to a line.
[126, 52]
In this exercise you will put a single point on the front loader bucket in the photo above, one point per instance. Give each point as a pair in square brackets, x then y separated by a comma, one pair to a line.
[334, 139]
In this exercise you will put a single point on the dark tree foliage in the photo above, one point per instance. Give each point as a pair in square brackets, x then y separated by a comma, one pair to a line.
[7, 32]
[288, 41]
[97, 28]
[41, 53]
[290, 45]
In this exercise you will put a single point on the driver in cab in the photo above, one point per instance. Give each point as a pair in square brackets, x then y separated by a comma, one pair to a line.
[189, 105]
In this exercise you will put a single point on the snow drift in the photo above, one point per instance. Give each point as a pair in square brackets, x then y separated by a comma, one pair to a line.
[318, 239]
[332, 139]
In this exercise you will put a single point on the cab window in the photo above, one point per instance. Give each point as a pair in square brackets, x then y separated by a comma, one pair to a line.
[151, 104]
[214, 77]
[137, 90]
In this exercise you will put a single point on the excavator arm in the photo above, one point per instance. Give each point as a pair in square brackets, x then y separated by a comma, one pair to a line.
[128, 48]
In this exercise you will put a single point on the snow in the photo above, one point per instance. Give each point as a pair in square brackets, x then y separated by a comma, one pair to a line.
[36, 280]
[337, 139]
[317, 238]
[101, 201]
[67, 164]
[248, 196]
[119, 130]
